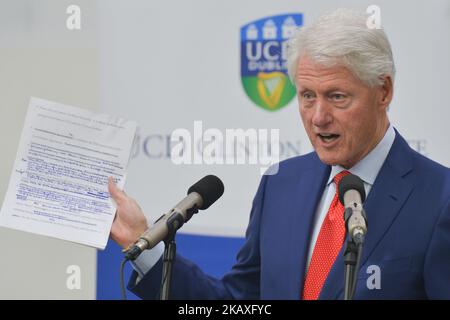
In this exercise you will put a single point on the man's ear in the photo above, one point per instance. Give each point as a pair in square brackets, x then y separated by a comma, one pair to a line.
[386, 92]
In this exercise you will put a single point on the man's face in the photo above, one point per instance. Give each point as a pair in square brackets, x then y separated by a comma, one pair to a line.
[344, 118]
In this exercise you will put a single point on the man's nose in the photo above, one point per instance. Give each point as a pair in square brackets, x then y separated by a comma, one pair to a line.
[322, 113]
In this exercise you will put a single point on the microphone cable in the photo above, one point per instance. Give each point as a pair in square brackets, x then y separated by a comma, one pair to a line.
[122, 283]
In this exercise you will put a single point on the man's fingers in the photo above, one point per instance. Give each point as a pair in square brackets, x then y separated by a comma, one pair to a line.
[117, 194]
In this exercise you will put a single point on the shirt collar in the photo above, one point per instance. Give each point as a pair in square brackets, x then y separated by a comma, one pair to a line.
[367, 168]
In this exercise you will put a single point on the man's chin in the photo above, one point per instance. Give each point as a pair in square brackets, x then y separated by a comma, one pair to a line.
[328, 160]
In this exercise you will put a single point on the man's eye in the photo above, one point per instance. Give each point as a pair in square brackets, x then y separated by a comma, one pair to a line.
[307, 95]
[338, 96]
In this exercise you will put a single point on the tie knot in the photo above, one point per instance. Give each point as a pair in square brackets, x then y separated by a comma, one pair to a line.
[339, 176]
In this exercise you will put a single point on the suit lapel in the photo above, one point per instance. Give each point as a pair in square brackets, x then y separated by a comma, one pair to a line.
[311, 183]
[387, 196]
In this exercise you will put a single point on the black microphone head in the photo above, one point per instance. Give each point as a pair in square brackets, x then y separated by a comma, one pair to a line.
[210, 188]
[350, 182]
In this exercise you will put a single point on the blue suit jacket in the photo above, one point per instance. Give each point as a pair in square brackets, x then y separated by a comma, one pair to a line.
[408, 213]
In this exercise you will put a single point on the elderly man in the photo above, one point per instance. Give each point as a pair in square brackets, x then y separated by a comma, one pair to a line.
[344, 74]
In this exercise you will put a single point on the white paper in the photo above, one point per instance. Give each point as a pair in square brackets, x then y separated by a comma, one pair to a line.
[58, 185]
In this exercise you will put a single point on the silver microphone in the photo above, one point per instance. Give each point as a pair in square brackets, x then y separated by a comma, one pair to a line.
[352, 196]
[200, 196]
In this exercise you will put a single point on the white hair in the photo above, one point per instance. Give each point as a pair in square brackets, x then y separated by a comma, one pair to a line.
[343, 38]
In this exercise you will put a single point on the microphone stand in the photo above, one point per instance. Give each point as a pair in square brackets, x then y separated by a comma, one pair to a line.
[174, 223]
[352, 257]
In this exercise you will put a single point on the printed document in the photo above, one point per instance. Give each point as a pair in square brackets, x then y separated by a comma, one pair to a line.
[59, 182]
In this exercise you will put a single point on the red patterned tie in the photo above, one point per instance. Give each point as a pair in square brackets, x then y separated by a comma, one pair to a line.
[327, 247]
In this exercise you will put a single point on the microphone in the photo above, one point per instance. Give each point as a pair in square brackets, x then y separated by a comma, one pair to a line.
[352, 196]
[201, 195]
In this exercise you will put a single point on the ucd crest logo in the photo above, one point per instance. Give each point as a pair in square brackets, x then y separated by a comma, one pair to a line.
[263, 60]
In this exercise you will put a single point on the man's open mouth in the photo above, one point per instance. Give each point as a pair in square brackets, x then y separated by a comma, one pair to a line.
[328, 137]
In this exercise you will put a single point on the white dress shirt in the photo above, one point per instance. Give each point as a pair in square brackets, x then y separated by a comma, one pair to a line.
[367, 169]
[147, 259]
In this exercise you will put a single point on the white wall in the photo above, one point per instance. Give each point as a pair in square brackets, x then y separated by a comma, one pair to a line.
[40, 57]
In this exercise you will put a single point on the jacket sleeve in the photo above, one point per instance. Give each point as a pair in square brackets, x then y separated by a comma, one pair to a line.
[190, 282]
[437, 262]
